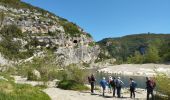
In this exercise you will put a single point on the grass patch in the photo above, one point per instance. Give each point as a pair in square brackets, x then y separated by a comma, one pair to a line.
[72, 85]
[12, 91]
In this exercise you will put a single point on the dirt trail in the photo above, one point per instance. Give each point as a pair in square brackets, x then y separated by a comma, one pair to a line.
[59, 94]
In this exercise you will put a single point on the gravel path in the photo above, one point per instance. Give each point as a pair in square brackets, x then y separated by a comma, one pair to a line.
[59, 94]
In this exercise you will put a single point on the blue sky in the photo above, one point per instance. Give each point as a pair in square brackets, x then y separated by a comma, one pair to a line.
[112, 18]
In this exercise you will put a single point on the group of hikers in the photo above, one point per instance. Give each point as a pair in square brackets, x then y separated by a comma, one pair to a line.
[115, 85]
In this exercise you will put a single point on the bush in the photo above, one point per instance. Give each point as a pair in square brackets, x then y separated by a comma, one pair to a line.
[71, 85]
[91, 44]
[31, 76]
[137, 58]
[46, 65]
[11, 31]
[73, 72]
[72, 77]
[70, 28]
[163, 85]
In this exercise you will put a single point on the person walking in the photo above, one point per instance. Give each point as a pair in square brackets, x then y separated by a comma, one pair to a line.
[132, 88]
[103, 84]
[109, 84]
[150, 85]
[119, 85]
[113, 85]
[92, 81]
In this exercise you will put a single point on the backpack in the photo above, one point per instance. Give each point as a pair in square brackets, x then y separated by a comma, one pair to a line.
[89, 79]
[133, 84]
[152, 84]
[92, 79]
[112, 83]
[118, 83]
[103, 83]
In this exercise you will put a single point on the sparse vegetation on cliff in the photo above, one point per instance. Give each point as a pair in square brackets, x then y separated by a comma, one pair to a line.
[11, 43]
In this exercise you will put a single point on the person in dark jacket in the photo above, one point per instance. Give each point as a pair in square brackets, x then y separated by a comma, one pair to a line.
[132, 87]
[103, 84]
[150, 85]
[113, 85]
[119, 85]
[92, 81]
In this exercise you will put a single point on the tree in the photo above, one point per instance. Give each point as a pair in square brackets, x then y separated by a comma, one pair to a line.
[165, 51]
[137, 58]
[152, 55]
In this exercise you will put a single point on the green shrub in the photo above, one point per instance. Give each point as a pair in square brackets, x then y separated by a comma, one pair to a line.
[137, 58]
[12, 91]
[70, 28]
[163, 85]
[72, 77]
[46, 65]
[86, 64]
[89, 35]
[91, 44]
[11, 31]
[74, 72]
[31, 76]
[19, 4]
[71, 85]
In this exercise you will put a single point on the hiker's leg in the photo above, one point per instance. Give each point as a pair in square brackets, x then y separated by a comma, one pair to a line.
[114, 88]
[110, 89]
[147, 95]
[118, 92]
[152, 95]
[103, 91]
[133, 93]
[91, 87]
[130, 93]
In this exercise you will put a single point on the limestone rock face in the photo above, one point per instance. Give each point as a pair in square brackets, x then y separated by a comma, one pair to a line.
[3, 61]
[48, 31]
[29, 21]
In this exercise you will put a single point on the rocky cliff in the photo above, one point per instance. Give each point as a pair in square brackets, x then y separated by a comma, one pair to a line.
[34, 31]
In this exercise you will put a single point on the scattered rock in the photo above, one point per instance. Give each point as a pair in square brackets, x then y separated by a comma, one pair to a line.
[36, 73]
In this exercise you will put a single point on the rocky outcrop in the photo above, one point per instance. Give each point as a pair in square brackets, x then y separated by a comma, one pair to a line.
[47, 30]
[3, 61]
[30, 21]
[37, 74]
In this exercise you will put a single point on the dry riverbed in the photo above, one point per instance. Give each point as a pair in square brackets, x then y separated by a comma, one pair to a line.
[137, 69]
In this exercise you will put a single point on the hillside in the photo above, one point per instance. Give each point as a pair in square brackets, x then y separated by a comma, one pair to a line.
[27, 31]
[126, 46]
